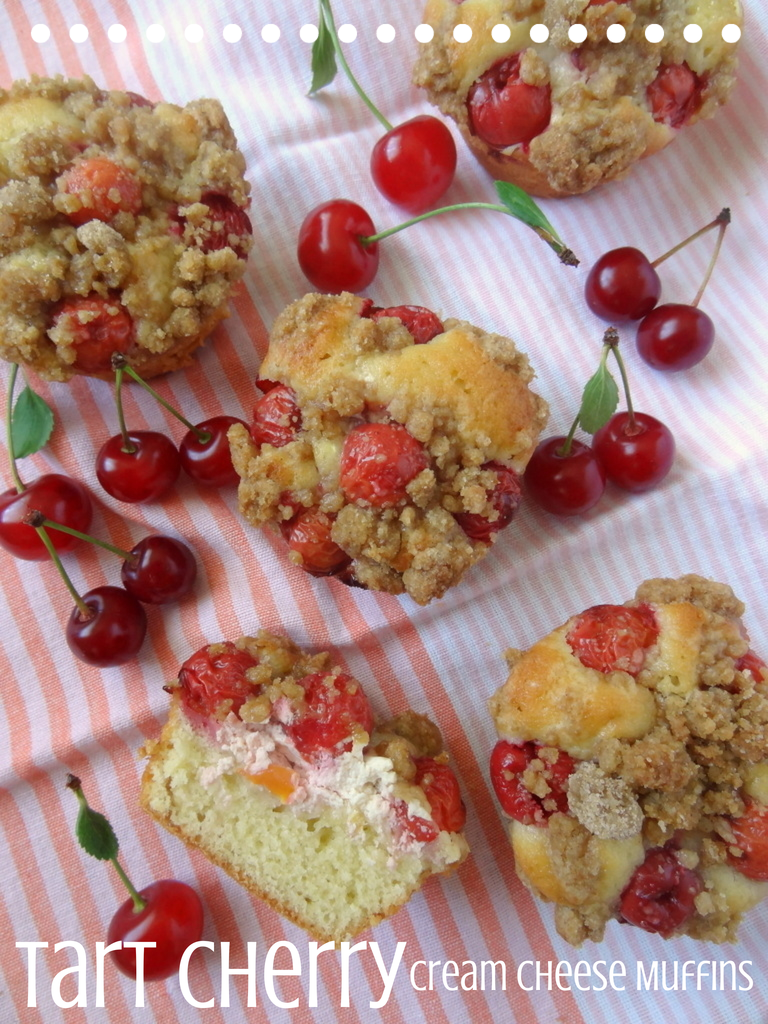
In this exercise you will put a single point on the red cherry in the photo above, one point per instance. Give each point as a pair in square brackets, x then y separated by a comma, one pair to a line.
[661, 894]
[509, 762]
[331, 253]
[414, 163]
[161, 570]
[505, 499]
[276, 417]
[227, 224]
[59, 498]
[565, 485]
[114, 631]
[635, 454]
[752, 662]
[334, 713]
[750, 834]
[422, 323]
[503, 110]
[622, 285]
[217, 673]
[309, 535]
[613, 638]
[144, 474]
[172, 919]
[378, 461]
[103, 187]
[209, 462]
[675, 336]
[441, 789]
[96, 326]
[675, 95]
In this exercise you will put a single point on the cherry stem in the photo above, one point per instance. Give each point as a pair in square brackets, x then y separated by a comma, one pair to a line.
[19, 484]
[128, 447]
[724, 222]
[119, 363]
[36, 518]
[566, 255]
[327, 16]
[139, 903]
[611, 341]
[565, 448]
[722, 219]
[82, 607]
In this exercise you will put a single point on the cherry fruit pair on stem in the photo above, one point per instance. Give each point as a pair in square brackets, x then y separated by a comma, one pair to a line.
[624, 285]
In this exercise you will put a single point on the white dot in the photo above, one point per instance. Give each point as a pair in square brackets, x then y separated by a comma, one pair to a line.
[232, 33]
[40, 33]
[117, 33]
[462, 33]
[155, 33]
[577, 33]
[424, 33]
[270, 33]
[692, 33]
[654, 33]
[731, 33]
[308, 33]
[539, 33]
[193, 34]
[347, 33]
[78, 33]
[500, 33]
[385, 33]
[616, 33]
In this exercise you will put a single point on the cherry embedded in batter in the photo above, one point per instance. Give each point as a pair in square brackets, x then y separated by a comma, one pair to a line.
[103, 187]
[503, 110]
[276, 417]
[675, 94]
[422, 324]
[750, 835]
[661, 894]
[509, 763]
[95, 326]
[332, 715]
[504, 497]
[308, 534]
[613, 637]
[446, 806]
[216, 674]
[378, 462]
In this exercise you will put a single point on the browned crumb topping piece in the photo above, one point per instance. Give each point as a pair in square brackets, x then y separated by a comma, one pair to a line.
[604, 805]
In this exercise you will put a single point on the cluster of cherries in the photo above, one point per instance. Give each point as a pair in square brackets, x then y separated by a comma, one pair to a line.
[332, 711]
[660, 896]
[632, 450]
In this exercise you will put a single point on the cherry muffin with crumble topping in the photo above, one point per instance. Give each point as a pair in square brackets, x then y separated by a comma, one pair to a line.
[633, 764]
[123, 227]
[558, 117]
[387, 445]
[273, 765]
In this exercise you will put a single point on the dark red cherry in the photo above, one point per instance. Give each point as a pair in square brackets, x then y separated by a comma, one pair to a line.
[161, 569]
[636, 454]
[565, 485]
[503, 109]
[144, 474]
[58, 497]
[622, 285]
[675, 336]
[209, 462]
[114, 631]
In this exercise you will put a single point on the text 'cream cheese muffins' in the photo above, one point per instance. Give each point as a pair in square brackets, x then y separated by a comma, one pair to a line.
[559, 117]
[273, 766]
[388, 444]
[123, 227]
[633, 764]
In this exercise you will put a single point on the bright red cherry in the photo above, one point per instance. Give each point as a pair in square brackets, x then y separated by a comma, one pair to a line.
[661, 894]
[622, 285]
[114, 631]
[674, 336]
[209, 462]
[422, 323]
[103, 187]
[613, 637]
[217, 673]
[565, 485]
[172, 919]
[331, 253]
[750, 835]
[503, 110]
[276, 417]
[95, 326]
[144, 474]
[161, 570]
[309, 535]
[58, 497]
[413, 164]
[441, 789]
[334, 713]
[505, 497]
[378, 461]
[635, 451]
[675, 94]
[509, 762]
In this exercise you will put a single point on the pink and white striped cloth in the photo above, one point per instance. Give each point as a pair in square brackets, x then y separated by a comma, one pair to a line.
[710, 516]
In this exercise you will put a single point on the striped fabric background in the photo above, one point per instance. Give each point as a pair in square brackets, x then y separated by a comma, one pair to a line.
[710, 516]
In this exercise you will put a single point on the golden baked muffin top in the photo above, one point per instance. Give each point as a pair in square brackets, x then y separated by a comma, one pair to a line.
[402, 451]
[123, 226]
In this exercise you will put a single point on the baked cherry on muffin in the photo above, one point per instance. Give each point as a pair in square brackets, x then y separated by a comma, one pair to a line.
[558, 118]
[633, 764]
[272, 764]
[123, 227]
[387, 444]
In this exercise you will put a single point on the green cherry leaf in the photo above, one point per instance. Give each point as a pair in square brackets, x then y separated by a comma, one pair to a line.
[31, 423]
[93, 831]
[323, 55]
[599, 400]
[520, 205]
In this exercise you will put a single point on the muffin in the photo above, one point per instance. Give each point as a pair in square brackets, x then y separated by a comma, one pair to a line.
[387, 446]
[558, 118]
[123, 227]
[633, 765]
[271, 764]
